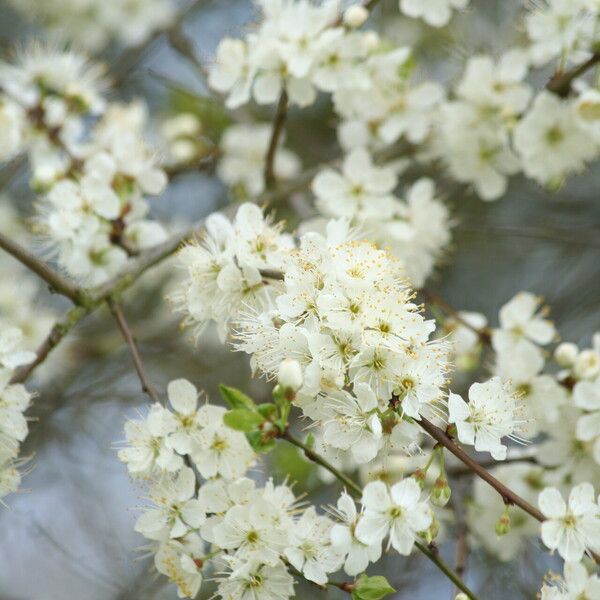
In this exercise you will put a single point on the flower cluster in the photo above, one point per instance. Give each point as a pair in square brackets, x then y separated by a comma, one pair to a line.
[415, 230]
[341, 310]
[93, 214]
[14, 401]
[92, 24]
[250, 535]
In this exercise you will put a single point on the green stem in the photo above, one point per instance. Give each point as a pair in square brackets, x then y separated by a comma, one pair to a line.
[316, 458]
[435, 558]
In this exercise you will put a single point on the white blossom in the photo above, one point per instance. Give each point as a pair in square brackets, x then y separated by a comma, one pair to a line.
[436, 13]
[396, 511]
[493, 412]
[344, 540]
[551, 140]
[572, 528]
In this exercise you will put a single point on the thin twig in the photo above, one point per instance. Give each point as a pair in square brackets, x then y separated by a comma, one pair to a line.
[147, 387]
[484, 333]
[57, 333]
[132, 57]
[276, 133]
[56, 281]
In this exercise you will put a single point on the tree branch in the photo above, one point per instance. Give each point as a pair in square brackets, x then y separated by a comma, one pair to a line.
[277, 131]
[509, 497]
[57, 333]
[560, 83]
[484, 334]
[147, 387]
[56, 281]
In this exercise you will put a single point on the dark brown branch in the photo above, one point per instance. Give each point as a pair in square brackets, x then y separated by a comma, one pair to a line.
[560, 83]
[56, 281]
[509, 497]
[276, 133]
[147, 387]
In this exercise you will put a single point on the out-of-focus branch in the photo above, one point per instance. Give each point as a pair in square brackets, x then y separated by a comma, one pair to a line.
[55, 280]
[147, 387]
[484, 333]
[560, 83]
[585, 237]
[132, 57]
[276, 133]
[57, 333]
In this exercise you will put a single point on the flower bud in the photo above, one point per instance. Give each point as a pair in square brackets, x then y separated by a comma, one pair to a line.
[290, 375]
[440, 494]
[503, 523]
[461, 596]
[355, 16]
[419, 475]
[587, 364]
[566, 354]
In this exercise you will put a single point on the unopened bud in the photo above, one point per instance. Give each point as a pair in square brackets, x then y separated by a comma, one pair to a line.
[290, 375]
[420, 476]
[587, 364]
[461, 596]
[566, 354]
[355, 16]
[503, 523]
[440, 494]
[433, 530]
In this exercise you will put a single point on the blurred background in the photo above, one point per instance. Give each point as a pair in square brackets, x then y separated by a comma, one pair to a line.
[69, 533]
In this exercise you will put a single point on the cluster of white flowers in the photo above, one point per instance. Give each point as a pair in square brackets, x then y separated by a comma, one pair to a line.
[93, 214]
[562, 29]
[249, 534]
[92, 25]
[415, 230]
[14, 401]
[241, 167]
[341, 310]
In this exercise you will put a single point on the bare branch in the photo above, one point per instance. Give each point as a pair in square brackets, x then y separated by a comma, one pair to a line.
[57, 333]
[56, 281]
[509, 497]
[560, 83]
[276, 133]
[484, 333]
[147, 387]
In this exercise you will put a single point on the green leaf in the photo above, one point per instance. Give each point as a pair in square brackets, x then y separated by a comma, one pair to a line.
[267, 410]
[371, 588]
[258, 443]
[236, 399]
[242, 419]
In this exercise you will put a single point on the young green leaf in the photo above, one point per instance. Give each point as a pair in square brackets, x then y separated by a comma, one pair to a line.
[242, 419]
[371, 588]
[235, 398]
